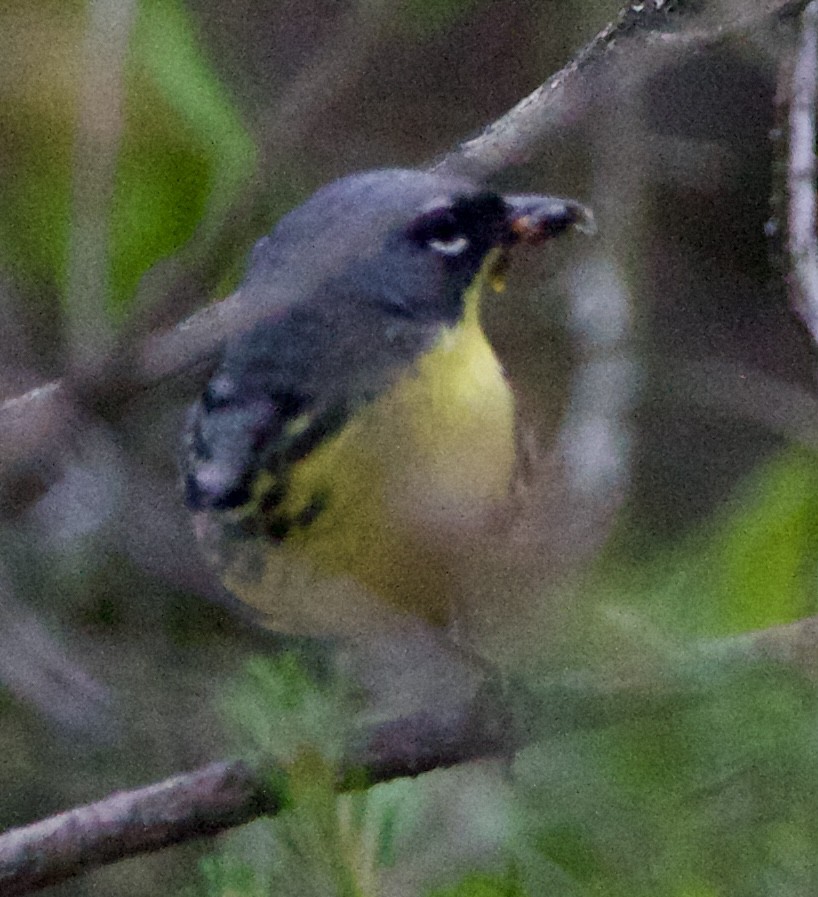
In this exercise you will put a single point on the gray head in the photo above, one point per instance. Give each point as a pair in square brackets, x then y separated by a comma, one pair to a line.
[373, 266]
[411, 240]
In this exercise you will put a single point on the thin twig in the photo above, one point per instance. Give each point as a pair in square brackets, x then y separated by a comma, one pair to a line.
[801, 170]
[36, 669]
[194, 344]
[129, 823]
[230, 793]
[490, 725]
[643, 37]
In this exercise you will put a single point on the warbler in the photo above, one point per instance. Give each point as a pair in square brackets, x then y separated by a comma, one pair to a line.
[342, 437]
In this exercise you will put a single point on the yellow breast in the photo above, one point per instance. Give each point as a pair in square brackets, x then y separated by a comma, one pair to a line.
[428, 458]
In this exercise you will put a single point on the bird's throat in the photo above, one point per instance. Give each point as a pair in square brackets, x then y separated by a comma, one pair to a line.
[427, 460]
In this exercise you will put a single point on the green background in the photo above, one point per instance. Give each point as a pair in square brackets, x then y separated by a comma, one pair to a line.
[143, 148]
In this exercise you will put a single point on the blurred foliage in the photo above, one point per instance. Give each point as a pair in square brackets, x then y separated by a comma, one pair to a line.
[322, 844]
[183, 152]
[482, 885]
[278, 710]
[752, 565]
[713, 795]
[717, 798]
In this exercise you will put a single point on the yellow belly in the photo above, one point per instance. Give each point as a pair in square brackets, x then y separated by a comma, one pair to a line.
[427, 460]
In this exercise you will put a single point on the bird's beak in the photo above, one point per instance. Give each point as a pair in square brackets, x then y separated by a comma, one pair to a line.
[534, 219]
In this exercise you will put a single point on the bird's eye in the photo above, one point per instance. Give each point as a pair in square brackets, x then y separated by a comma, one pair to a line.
[450, 246]
[439, 231]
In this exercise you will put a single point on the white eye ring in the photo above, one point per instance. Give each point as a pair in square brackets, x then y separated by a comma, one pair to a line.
[449, 247]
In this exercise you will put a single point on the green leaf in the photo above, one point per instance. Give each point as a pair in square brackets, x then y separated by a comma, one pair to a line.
[183, 150]
[752, 566]
[38, 66]
[766, 554]
[185, 153]
[482, 885]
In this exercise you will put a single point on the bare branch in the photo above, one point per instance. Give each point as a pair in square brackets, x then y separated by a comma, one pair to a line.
[566, 98]
[494, 723]
[226, 794]
[801, 170]
[643, 36]
[129, 823]
[37, 670]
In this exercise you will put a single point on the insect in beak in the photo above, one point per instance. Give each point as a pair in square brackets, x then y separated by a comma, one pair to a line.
[534, 219]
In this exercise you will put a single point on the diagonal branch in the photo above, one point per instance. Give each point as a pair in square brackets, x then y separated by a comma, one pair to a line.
[227, 794]
[231, 793]
[565, 99]
[494, 723]
[643, 37]
[127, 824]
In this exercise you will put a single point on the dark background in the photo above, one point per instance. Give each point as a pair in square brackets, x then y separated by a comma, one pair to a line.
[143, 148]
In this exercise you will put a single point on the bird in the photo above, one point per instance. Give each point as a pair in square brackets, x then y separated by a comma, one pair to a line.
[345, 436]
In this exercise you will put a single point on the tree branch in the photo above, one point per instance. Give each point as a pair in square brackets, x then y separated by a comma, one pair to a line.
[493, 724]
[643, 36]
[562, 101]
[801, 218]
[129, 823]
[227, 794]
[230, 793]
